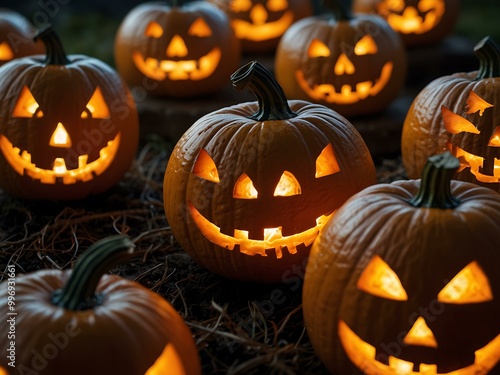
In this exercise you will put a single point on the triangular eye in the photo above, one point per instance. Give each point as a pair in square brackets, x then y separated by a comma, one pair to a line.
[326, 163]
[381, 281]
[318, 49]
[200, 28]
[244, 188]
[26, 106]
[241, 5]
[365, 46]
[455, 124]
[470, 285]
[476, 103]
[6, 52]
[277, 5]
[153, 30]
[96, 107]
[287, 186]
[495, 138]
[205, 167]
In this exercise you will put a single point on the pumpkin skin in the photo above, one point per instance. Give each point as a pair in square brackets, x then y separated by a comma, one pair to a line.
[69, 125]
[423, 249]
[232, 214]
[130, 331]
[259, 24]
[16, 36]
[419, 22]
[355, 65]
[181, 51]
[471, 98]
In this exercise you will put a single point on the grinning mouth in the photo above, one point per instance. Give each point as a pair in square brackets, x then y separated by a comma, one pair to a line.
[347, 94]
[178, 70]
[468, 160]
[273, 239]
[20, 161]
[363, 354]
[257, 32]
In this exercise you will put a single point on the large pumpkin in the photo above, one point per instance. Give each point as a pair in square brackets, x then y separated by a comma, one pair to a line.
[418, 22]
[82, 322]
[460, 113]
[405, 279]
[355, 65]
[68, 125]
[259, 24]
[248, 187]
[178, 50]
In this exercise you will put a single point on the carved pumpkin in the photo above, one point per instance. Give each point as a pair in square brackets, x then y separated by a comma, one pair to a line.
[68, 128]
[259, 24]
[247, 188]
[417, 21]
[354, 65]
[16, 36]
[460, 113]
[180, 50]
[93, 323]
[405, 279]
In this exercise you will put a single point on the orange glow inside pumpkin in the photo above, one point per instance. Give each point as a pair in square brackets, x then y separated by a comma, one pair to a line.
[6, 53]
[420, 334]
[244, 189]
[60, 137]
[168, 362]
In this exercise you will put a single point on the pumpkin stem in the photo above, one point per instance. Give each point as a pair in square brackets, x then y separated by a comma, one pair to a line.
[340, 8]
[488, 53]
[270, 96]
[434, 190]
[55, 54]
[79, 291]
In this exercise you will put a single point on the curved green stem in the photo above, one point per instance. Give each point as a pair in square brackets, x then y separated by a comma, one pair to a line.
[55, 54]
[79, 291]
[488, 53]
[270, 96]
[434, 190]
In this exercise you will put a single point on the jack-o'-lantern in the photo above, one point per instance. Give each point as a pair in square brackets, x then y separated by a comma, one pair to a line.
[69, 127]
[460, 113]
[354, 65]
[183, 50]
[259, 24]
[248, 187]
[16, 36]
[405, 279]
[417, 21]
[82, 321]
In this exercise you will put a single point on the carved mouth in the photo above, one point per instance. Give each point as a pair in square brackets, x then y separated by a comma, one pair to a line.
[363, 355]
[347, 94]
[273, 239]
[474, 162]
[257, 32]
[410, 22]
[178, 70]
[20, 161]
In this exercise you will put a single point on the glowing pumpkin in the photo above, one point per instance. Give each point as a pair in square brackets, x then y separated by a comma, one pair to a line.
[248, 187]
[16, 36]
[405, 279]
[179, 51]
[84, 322]
[459, 113]
[69, 127]
[417, 21]
[259, 24]
[354, 65]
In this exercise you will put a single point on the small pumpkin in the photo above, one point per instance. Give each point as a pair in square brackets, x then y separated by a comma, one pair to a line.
[177, 49]
[16, 36]
[259, 24]
[354, 64]
[69, 126]
[459, 113]
[82, 322]
[405, 279]
[248, 187]
[419, 22]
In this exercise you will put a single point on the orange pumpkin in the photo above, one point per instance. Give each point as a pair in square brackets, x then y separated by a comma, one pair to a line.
[183, 50]
[248, 187]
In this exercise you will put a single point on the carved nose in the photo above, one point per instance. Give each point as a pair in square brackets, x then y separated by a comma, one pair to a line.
[420, 334]
[343, 65]
[60, 137]
[177, 47]
[258, 14]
